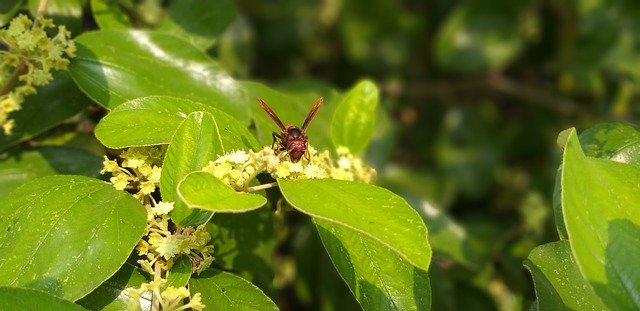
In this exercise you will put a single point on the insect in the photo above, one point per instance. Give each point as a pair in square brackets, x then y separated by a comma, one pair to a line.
[292, 138]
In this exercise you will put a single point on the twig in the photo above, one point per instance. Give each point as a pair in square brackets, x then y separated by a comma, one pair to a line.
[20, 70]
[262, 187]
[155, 301]
[495, 82]
[42, 5]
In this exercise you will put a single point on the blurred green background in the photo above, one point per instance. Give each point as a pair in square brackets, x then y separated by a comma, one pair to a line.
[476, 93]
[473, 96]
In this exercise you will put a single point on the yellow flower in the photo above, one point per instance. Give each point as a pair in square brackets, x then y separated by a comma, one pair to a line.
[8, 126]
[172, 294]
[282, 170]
[109, 166]
[342, 150]
[169, 246]
[120, 181]
[162, 208]
[155, 174]
[344, 163]
[238, 157]
[312, 171]
[147, 187]
[196, 302]
[296, 167]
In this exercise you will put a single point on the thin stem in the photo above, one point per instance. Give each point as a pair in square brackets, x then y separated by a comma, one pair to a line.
[262, 187]
[42, 5]
[20, 70]
[155, 298]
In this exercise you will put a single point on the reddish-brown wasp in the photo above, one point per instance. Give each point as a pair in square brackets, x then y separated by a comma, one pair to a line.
[292, 138]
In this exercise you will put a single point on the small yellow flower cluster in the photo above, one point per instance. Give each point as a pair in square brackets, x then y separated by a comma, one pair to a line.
[351, 168]
[140, 170]
[170, 299]
[238, 168]
[160, 246]
[30, 57]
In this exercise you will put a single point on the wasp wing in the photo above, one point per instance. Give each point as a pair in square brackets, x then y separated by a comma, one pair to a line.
[270, 112]
[312, 113]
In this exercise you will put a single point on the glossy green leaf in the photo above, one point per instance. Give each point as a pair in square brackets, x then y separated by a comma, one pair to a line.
[558, 218]
[558, 282]
[180, 272]
[26, 299]
[63, 12]
[225, 291]
[198, 22]
[201, 138]
[111, 295]
[379, 278]
[109, 15]
[66, 234]
[8, 9]
[602, 217]
[18, 168]
[354, 118]
[615, 141]
[478, 35]
[114, 66]
[447, 237]
[204, 191]
[366, 209]
[72, 161]
[53, 104]
[157, 118]
[245, 243]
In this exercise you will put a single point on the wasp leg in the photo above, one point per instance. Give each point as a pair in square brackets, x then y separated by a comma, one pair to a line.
[307, 155]
[274, 146]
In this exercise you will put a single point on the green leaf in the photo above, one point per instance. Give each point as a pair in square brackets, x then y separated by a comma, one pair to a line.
[13, 298]
[54, 103]
[18, 168]
[198, 22]
[111, 295]
[199, 139]
[379, 278]
[65, 235]
[602, 217]
[204, 191]
[180, 272]
[557, 279]
[225, 291]
[8, 9]
[615, 141]
[157, 118]
[354, 119]
[365, 209]
[109, 15]
[449, 238]
[114, 66]
[245, 243]
[63, 12]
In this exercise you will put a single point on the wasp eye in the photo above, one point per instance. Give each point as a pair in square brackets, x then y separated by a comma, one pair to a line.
[295, 132]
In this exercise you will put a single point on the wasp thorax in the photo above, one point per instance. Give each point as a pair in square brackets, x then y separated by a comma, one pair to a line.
[294, 132]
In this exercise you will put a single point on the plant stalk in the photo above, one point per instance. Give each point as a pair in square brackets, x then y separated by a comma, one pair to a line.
[262, 187]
